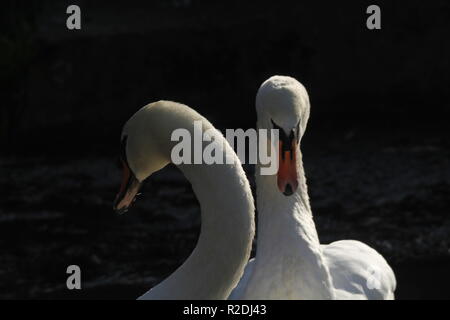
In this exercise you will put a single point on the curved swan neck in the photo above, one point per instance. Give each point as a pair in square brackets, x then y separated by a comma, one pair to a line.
[217, 262]
[227, 229]
[227, 212]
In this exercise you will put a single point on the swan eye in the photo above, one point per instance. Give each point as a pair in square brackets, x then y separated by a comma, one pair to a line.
[293, 135]
[286, 141]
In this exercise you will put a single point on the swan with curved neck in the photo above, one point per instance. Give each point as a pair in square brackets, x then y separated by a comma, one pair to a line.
[290, 262]
[227, 211]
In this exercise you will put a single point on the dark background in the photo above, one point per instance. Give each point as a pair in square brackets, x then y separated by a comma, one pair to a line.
[376, 149]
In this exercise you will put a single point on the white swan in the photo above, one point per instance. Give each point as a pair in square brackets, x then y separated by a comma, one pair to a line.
[227, 210]
[290, 263]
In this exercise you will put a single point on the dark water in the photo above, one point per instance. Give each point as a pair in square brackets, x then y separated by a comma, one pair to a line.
[55, 212]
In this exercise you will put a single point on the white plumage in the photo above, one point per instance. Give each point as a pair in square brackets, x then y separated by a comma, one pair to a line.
[290, 262]
[223, 248]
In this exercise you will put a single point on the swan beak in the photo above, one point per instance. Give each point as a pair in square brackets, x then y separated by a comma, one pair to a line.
[128, 190]
[287, 167]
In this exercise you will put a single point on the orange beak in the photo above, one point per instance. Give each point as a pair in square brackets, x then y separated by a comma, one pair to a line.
[287, 168]
[128, 190]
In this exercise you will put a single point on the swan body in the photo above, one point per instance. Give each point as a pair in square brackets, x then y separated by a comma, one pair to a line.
[290, 262]
[358, 271]
[227, 210]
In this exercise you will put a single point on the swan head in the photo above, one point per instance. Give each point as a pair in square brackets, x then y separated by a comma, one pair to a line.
[142, 153]
[282, 103]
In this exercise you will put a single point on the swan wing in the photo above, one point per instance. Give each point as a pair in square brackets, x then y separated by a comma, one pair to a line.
[358, 271]
[239, 290]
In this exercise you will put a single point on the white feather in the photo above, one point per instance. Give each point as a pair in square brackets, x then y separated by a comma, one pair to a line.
[290, 263]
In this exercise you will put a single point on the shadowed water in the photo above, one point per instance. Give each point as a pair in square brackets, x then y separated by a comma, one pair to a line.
[55, 212]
